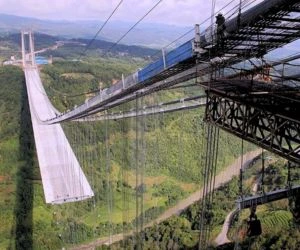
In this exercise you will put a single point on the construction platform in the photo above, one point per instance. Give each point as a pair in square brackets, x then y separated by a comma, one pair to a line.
[276, 195]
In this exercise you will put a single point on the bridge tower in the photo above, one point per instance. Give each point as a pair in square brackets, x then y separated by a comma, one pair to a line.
[27, 41]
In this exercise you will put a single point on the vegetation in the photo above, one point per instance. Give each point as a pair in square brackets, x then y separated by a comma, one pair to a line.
[134, 51]
[41, 40]
[182, 232]
[72, 49]
[17, 168]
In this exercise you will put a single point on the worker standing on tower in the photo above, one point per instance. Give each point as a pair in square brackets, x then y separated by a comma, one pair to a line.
[221, 28]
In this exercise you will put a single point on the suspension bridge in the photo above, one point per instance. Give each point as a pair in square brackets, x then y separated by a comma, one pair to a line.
[238, 100]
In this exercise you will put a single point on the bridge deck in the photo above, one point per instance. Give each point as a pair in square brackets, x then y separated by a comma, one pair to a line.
[63, 180]
[184, 104]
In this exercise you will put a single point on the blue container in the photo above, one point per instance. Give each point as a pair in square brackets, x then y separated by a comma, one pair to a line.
[40, 60]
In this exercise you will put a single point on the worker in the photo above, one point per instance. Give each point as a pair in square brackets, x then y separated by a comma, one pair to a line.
[221, 28]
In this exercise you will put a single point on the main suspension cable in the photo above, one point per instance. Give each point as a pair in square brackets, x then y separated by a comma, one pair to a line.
[132, 27]
[98, 32]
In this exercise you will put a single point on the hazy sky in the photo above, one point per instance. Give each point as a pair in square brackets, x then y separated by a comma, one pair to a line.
[178, 12]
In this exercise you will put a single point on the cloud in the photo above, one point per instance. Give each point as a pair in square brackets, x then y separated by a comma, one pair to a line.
[175, 12]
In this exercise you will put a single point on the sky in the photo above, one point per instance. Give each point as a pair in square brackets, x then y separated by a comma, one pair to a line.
[174, 12]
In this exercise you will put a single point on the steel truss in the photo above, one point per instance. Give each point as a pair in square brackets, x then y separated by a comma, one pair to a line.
[266, 124]
[264, 198]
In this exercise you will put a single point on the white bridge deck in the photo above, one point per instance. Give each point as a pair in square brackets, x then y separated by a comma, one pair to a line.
[62, 177]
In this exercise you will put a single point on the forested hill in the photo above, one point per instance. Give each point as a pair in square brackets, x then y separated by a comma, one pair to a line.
[142, 35]
[75, 47]
[40, 40]
[119, 48]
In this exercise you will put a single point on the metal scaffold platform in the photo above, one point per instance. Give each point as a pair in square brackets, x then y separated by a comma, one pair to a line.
[264, 114]
[261, 199]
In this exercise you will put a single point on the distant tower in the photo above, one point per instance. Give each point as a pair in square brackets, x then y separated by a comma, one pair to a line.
[30, 56]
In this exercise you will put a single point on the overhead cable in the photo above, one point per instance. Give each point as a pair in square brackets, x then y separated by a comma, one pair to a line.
[98, 32]
[132, 27]
[192, 29]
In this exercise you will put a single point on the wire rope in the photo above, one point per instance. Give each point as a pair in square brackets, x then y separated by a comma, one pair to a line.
[156, 164]
[137, 181]
[132, 27]
[236, 242]
[108, 179]
[143, 165]
[98, 32]
[124, 170]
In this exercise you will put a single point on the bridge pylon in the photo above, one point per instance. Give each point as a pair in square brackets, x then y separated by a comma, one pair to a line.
[27, 41]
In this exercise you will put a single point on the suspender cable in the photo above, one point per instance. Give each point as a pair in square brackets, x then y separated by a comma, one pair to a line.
[180, 149]
[124, 173]
[137, 212]
[156, 158]
[142, 168]
[213, 167]
[205, 174]
[140, 161]
[211, 152]
[263, 171]
[108, 180]
[125, 169]
[236, 245]
[132, 166]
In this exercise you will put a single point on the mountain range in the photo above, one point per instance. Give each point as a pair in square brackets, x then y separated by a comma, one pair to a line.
[142, 34]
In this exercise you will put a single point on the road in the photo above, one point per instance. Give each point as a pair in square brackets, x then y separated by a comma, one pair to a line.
[222, 237]
[53, 47]
[223, 177]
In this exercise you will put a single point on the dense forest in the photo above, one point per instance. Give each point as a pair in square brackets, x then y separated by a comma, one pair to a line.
[18, 169]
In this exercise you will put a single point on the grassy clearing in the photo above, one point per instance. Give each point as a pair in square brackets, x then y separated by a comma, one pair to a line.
[279, 219]
[80, 76]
